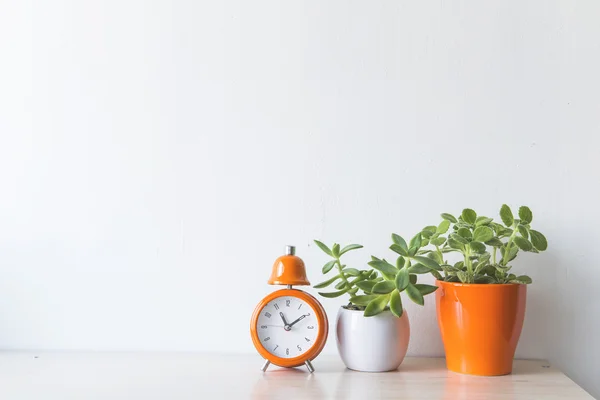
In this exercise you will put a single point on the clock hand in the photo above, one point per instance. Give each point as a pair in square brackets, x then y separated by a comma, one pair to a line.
[298, 320]
[283, 318]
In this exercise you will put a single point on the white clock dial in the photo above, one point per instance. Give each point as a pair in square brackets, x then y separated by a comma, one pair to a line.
[287, 327]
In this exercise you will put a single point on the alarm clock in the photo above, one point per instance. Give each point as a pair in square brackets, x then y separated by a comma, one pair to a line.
[289, 327]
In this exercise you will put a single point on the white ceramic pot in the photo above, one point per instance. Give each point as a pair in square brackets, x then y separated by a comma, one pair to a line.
[372, 344]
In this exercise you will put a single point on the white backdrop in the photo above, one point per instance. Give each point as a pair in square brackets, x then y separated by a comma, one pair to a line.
[156, 156]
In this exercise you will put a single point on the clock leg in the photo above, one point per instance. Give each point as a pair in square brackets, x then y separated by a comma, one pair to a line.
[310, 367]
[265, 365]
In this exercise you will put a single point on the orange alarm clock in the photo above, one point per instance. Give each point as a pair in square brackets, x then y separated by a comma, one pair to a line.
[289, 327]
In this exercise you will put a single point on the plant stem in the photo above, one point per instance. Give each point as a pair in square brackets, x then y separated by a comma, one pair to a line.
[494, 255]
[441, 255]
[468, 264]
[437, 249]
[508, 246]
[339, 267]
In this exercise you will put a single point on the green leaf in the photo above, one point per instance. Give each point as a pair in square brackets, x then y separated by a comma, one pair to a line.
[506, 215]
[483, 279]
[418, 269]
[512, 253]
[429, 230]
[412, 278]
[397, 239]
[498, 228]
[377, 305]
[415, 242]
[469, 216]
[402, 279]
[428, 262]
[459, 238]
[400, 262]
[363, 300]
[396, 304]
[524, 279]
[443, 227]
[465, 233]
[438, 241]
[435, 256]
[352, 271]
[414, 294]
[455, 244]
[388, 277]
[523, 243]
[326, 283]
[335, 250]
[523, 231]
[525, 215]
[483, 234]
[353, 291]
[448, 268]
[538, 240]
[383, 287]
[449, 217]
[399, 249]
[479, 267]
[367, 286]
[477, 247]
[425, 289]
[331, 295]
[384, 267]
[506, 232]
[340, 285]
[481, 220]
[324, 247]
[327, 267]
[463, 276]
[494, 242]
[350, 247]
[484, 257]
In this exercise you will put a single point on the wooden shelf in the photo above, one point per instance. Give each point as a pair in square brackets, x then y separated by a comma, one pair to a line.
[198, 376]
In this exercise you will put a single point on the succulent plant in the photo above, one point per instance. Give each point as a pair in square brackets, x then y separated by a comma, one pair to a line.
[383, 283]
[473, 237]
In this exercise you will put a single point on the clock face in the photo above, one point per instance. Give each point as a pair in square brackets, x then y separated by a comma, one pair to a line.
[287, 327]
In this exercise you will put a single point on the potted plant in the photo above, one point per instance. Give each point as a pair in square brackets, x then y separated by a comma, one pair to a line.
[372, 330]
[481, 303]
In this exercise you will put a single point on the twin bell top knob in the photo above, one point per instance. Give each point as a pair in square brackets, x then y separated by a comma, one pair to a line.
[289, 269]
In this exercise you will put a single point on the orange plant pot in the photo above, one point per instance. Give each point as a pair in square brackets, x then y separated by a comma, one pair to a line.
[480, 325]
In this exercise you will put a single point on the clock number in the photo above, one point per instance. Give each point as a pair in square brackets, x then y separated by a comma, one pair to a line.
[268, 315]
[287, 352]
[275, 347]
[263, 327]
[267, 338]
[287, 303]
[299, 348]
[276, 306]
[310, 327]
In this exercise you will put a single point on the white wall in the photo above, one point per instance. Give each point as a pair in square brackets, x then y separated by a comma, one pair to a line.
[156, 156]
